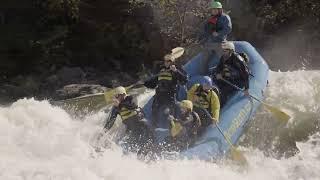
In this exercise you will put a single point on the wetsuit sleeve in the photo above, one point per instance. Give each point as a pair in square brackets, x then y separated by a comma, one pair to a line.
[111, 119]
[197, 119]
[132, 104]
[181, 76]
[191, 92]
[244, 73]
[225, 30]
[214, 105]
[219, 67]
[151, 83]
[204, 32]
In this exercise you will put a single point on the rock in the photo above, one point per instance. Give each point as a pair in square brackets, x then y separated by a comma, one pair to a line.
[20, 87]
[68, 75]
[75, 90]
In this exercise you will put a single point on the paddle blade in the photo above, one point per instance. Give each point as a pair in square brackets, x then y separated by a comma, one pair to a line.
[177, 52]
[176, 129]
[237, 156]
[108, 96]
[278, 113]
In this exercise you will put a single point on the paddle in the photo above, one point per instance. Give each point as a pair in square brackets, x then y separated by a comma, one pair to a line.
[279, 114]
[175, 53]
[108, 95]
[235, 154]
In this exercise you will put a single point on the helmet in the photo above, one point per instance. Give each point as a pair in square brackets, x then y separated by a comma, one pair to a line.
[206, 80]
[186, 104]
[228, 45]
[120, 90]
[215, 5]
[168, 57]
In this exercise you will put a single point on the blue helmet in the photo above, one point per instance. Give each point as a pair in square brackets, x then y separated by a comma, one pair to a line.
[206, 80]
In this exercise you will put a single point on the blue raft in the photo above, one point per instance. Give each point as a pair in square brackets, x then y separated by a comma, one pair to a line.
[236, 113]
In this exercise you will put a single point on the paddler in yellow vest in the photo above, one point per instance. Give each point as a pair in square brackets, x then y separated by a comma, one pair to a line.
[166, 84]
[205, 98]
[184, 125]
[131, 115]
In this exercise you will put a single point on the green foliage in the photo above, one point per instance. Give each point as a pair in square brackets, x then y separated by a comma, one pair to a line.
[39, 34]
[278, 13]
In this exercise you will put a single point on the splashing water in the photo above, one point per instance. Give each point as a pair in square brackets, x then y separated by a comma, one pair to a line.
[41, 142]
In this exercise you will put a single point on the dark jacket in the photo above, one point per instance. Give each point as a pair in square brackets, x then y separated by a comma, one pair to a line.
[223, 28]
[237, 68]
[166, 81]
[129, 112]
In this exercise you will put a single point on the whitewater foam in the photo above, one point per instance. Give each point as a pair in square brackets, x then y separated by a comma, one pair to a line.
[39, 141]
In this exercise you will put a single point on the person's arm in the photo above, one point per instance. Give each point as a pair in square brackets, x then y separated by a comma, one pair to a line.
[244, 74]
[225, 30]
[218, 69]
[214, 105]
[181, 76]
[132, 102]
[204, 32]
[197, 123]
[151, 83]
[111, 119]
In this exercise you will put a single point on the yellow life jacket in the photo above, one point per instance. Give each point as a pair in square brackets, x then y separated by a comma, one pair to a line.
[126, 113]
[202, 99]
[165, 74]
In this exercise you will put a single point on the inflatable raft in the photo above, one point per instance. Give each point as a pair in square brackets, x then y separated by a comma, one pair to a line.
[236, 113]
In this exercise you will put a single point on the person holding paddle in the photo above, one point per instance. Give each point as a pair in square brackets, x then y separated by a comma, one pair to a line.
[166, 84]
[184, 126]
[205, 98]
[132, 116]
[232, 67]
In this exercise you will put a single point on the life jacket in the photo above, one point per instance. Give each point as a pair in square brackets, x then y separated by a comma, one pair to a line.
[212, 23]
[165, 80]
[127, 109]
[245, 57]
[187, 125]
[231, 68]
[203, 100]
[165, 75]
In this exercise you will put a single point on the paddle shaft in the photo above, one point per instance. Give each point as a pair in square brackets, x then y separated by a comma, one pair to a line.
[220, 130]
[236, 87]
[225, 137]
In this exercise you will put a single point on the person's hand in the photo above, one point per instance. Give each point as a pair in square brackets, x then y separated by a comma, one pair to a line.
[115, 102]
[215, 34]
[246, 92]
[214, 120]
[173, 68]
[218, 76]
[171, 118]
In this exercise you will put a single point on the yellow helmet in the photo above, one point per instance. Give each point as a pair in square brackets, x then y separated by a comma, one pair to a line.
[120, 90]
[186, 104]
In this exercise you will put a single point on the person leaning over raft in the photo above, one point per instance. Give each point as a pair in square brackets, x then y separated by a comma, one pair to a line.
[132, 116]
[233, 68]
[166, 84]
[205, 98]
[215, 29]
[184, 125]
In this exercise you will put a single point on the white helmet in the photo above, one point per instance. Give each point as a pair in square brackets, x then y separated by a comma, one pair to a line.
[228, 45]
[120, 90]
